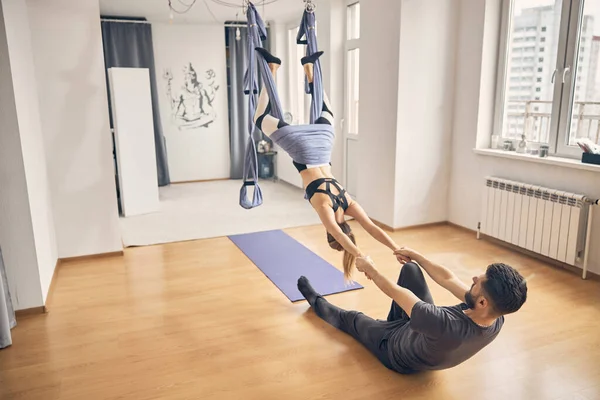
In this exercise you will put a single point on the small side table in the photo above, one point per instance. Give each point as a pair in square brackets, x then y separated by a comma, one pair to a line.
[267, 165]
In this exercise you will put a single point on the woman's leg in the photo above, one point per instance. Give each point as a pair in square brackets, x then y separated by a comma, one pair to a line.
[263, 120]
[326, 116]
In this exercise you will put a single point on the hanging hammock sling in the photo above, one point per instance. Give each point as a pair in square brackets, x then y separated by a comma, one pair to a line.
[306, 144]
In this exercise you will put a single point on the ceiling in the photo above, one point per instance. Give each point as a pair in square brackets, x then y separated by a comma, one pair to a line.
[158, 10]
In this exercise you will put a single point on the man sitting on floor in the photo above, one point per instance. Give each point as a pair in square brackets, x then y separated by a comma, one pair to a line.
[419, 335]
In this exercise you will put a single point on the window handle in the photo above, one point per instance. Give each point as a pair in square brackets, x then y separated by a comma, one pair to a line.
[565, 72]
[553, 75]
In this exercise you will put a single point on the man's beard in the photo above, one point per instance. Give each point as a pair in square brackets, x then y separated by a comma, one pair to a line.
[469, 299]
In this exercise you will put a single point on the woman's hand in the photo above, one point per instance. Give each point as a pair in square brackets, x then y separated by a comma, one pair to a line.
[405, 254]
[366, 266]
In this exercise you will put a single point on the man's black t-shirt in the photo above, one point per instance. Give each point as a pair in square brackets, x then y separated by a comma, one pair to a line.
[438, 338]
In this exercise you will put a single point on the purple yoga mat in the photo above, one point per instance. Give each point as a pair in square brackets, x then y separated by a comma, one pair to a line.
[283, 260]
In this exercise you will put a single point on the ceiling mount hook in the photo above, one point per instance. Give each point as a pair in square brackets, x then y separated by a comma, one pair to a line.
[309, 6]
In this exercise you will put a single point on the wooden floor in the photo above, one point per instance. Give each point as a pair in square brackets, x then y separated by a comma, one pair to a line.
[197, 320]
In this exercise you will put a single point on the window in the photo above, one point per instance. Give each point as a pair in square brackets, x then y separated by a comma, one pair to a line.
[298, 101]
[566, 105]
[353, 21]
[352, 62]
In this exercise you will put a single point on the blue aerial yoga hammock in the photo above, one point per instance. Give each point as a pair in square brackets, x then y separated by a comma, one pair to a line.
[256, 33]
[306, 144]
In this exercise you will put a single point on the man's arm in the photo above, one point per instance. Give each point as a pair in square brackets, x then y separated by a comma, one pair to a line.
[440, 274]
[404, 297]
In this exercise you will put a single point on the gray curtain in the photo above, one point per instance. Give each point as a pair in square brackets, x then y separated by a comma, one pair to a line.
[129, 45]
[237, 61]
[7, 314]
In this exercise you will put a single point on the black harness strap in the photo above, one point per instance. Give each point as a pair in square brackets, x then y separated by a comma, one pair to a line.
[337, 200]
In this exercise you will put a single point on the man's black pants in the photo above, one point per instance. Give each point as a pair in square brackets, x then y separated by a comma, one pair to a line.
[373, 334]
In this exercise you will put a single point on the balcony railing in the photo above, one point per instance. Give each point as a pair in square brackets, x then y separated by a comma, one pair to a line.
[532, 118]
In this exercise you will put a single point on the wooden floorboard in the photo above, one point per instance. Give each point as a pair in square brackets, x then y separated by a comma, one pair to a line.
[197, 320]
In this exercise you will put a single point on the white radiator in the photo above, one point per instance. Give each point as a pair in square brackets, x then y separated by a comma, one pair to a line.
[546, 221]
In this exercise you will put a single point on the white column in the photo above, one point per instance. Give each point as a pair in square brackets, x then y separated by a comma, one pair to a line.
[26, 221]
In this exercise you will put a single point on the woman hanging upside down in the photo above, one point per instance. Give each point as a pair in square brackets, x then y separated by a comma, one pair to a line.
[314, 143]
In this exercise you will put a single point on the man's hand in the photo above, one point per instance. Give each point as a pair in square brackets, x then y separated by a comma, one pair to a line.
[404, 297]
[440, 274]
[366, 266]
[405, 254]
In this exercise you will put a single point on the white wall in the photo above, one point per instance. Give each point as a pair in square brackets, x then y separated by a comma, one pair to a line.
[69, 65]
[425, 108]
[378, 114]
[407, 63]
[200, 153]
[26, 222]
[474, 105]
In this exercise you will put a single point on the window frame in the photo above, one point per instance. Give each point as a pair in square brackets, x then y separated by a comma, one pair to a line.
[563, 90]
[349, 45]
[572, 62]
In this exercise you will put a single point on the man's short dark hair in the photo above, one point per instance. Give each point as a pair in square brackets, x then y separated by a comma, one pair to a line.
[505, 288]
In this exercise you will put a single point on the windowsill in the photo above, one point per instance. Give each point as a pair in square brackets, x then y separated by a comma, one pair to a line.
[558, 161]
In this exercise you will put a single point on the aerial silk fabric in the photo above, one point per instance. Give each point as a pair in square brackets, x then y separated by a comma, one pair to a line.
[306, 144]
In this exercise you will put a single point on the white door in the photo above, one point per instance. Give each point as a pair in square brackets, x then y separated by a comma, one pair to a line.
[134, 139]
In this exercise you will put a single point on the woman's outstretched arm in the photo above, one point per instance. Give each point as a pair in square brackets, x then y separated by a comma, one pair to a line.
[327, 217]
[357, 212]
